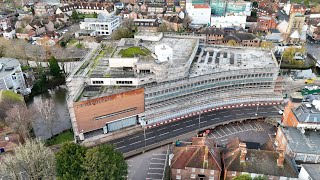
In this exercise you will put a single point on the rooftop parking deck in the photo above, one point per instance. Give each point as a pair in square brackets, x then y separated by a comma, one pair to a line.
[222, 58]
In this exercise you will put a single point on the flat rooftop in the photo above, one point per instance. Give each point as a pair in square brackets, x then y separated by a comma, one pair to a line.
[309, 142]
[182, 49]
[92, 92]
[223, 58]
[7, 66]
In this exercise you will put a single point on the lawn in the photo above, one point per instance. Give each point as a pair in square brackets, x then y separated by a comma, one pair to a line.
[6, 94]
[134, 51]
[82, 16]
[60, 138]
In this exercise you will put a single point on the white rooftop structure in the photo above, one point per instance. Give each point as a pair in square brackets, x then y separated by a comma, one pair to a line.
[295, 35]
[164, 52]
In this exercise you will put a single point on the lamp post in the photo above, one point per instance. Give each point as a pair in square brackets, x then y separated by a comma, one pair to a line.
[257, 109]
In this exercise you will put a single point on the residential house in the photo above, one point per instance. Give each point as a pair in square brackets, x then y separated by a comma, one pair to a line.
[274, 35]
[173, 22]
[200, 160]
[314, 27]
[147, 24]
[229, 20]
[87, 8]
[303, 145]
[9, 33]
[129, 7]
[41, 9]
[5, 23]
[214, 35]
[155, 8]
[133, 15]
[49, 39]
[265, 23]
[238, 160]
[143, 8]
[242, 39]
[297, 8]
[302, 115]
[309, 172]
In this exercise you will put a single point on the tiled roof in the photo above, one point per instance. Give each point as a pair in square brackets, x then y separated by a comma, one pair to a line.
[201, 154]
[174, 19]
[214, 31]
[90, 6]
[201, 6]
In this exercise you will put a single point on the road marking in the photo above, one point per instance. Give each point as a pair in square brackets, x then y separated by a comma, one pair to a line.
[135, 142]
[155, 168]
[211, 115]
[159, 159]
[187, 121]
[151, 138]
[163, 134]
[177, 129]
[224, 140]
[227, 116]
[175, 125]
[119, 142]
[133, 137]
[161, 129]
[158, 154]
[157, 163]
[190, 125]
[120, 147]
[240, 128]
[203, 121]
[239, 114]
[234, 129]
[223, 131]
[218, 134]
[155, 173]
[228, 129]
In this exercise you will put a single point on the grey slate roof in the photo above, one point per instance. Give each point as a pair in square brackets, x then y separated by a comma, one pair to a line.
[5, 64]
[313, 170]
[305, 114]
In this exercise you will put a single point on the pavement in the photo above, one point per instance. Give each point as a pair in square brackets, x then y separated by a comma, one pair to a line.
[248, 131]
[167, 131]
[149, 165]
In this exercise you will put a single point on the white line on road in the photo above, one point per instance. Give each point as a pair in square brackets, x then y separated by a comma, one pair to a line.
[175, 125]
[158, 154]
[135, 142]
[151, 137]
[177, 129]
[190, 125]
[155, 173]
[161, 129]
[164, 134]
[155, 168]
[119, 142]
[157, 163]
[120, 147]
[159, 159]
[187, 121]
[203, 121]
[133, 137]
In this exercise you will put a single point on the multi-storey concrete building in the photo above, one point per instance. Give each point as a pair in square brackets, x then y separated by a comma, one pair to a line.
[177, 77]
[103, 25]
[11, 76]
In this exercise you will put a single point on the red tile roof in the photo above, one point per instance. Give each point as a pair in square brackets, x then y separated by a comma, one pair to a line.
[201, 6]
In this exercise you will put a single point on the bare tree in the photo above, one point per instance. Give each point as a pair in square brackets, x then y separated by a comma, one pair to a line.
[47, 113]
[32, 160]
[20, 119]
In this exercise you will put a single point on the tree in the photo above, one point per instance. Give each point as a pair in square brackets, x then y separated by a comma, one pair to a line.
[20, 119]
[243, 177]
[54, 67]
[232, 43]
[47, 113]
[32, 160]
[121, 32]
[128, 23]
[2, 51]
[163, 27]
[95, 15]
[174, 9]
[186, 21]
[74, 15]
[289, 53]
[70, 161]
[260, 178]
[103, 162]
[255, 4]
[266, 45]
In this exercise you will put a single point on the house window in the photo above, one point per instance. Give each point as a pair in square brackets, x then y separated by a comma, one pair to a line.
[97, 82]
[234, 173]
[202, 170]
[211, 178]
[178, 176]
[193, 169]
[178, 171]
[212, 172]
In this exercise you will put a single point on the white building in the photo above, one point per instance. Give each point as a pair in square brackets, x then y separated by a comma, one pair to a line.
[103, 25]
[228, 21]
[9, 33]
[11, 76]
[309, 172]
[164, 53]
[199, 13]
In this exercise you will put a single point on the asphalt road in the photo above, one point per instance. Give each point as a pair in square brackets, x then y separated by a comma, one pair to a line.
[177, 128]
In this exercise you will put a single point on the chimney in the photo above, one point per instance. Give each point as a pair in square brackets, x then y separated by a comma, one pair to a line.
[243, 151]
[280, 160]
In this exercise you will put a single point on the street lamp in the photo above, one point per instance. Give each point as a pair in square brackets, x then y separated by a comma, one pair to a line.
[257, 109]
